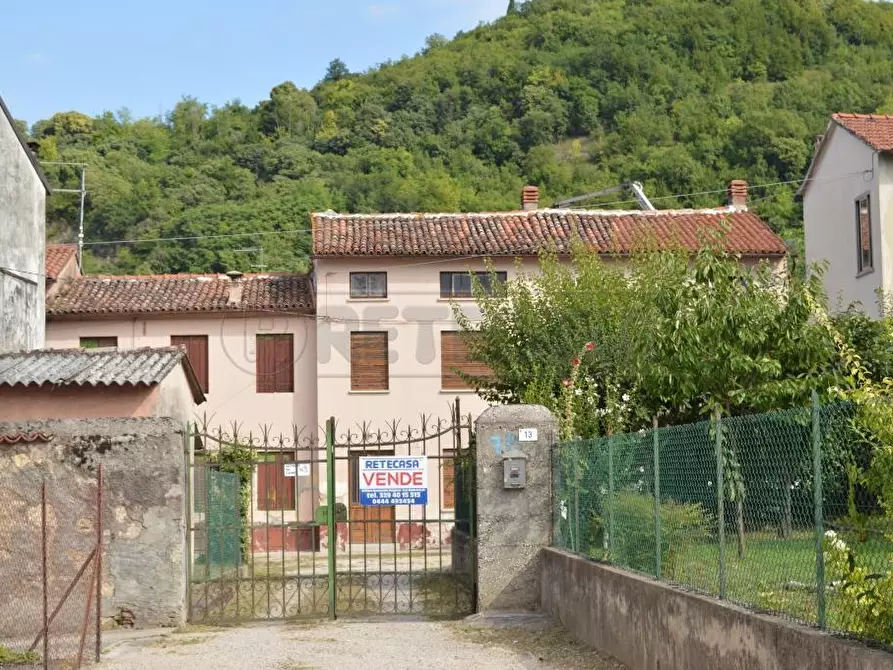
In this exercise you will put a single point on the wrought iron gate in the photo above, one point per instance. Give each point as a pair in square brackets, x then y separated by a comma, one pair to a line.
[276, 528]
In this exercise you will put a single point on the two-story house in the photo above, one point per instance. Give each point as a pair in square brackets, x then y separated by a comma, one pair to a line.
[388, 345]
[23, 192]
[848, 209]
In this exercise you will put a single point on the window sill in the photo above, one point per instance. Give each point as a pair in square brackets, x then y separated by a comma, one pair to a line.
[368, 300]
[868, 271]
[459, 391]
[456, 300]
[370, 392]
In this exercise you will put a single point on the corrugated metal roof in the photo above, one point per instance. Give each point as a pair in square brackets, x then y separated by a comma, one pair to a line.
[94, 367]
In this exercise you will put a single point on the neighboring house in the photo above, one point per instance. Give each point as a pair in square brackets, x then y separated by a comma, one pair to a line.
[247, 337]
[848, 209]
[76, 384]
[23, 192]
[61, 263]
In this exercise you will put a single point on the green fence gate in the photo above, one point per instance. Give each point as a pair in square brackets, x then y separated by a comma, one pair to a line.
[278, 528]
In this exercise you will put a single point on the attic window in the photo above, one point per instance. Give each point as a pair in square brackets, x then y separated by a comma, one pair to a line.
[865, 251]
[99, 342]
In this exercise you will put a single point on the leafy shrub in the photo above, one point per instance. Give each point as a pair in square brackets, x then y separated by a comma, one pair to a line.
[323, 510]
[634, 542]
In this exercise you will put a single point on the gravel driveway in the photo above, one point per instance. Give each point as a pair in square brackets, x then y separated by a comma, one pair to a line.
[356, 644]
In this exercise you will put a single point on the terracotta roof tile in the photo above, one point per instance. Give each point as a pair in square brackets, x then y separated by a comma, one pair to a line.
[527, 233]
[57, 256]
[14, 438]
[179, 294]
[873, 129]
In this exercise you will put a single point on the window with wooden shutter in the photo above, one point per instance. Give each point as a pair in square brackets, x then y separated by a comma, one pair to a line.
[99, 343]
[448, 480]
[275, 491]
[369, 361]
[196, 347]
[863, 234]
[454, 359]
[275, 363]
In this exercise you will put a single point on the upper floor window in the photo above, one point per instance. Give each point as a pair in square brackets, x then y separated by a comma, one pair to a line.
[863, 234]
[369, 361]
[458, 284]
[275, 363]
[368, 284]
[99, 343]
[196, 347]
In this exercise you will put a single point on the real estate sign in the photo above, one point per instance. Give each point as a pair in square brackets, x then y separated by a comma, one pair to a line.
[393, 480]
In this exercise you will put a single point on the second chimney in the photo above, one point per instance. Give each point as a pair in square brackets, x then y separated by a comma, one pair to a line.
[530, 198]
[738, 193]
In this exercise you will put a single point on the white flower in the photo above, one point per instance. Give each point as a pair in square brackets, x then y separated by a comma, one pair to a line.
[579, 391]
[641, 468]
[830, 534]
[710, 484]
[625, 397]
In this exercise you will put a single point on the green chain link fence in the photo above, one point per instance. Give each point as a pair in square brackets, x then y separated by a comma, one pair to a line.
[650, 502]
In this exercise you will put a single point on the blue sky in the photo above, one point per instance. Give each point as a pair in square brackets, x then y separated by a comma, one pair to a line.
[97, 55]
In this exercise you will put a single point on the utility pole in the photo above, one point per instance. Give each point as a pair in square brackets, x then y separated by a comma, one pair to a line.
[82, 191]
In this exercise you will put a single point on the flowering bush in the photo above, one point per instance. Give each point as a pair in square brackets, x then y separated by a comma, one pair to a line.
[864, 601]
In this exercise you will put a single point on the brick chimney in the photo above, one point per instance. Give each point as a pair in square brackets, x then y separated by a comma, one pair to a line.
[530, 198]
[738, 194]
[235, 289]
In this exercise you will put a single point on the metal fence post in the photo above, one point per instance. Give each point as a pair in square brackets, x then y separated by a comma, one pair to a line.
[611, 495]
[100, 505]
[720, 504]
[656, 443]
[817, 505]
[44, 575]
[332, 531]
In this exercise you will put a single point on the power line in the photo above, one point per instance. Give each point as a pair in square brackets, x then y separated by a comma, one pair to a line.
[201, 237]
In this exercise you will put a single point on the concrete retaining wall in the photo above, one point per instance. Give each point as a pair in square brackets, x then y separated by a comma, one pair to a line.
[145, 533]
[652, 626]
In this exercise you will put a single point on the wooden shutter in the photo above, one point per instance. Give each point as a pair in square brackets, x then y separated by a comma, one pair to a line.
[275, 491]
[285, 364]
[448, 480]
[197, 352]
[274, 363]
[369, 361]
[453, 357]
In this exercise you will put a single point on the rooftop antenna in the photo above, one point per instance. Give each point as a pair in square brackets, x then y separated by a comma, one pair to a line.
[82, 191]
[258, 266]
[637, 189]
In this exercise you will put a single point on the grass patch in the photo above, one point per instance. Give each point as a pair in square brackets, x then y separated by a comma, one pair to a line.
[181, 641]
[553, 645]
[10, 657]
[194, 628]
[776, 575]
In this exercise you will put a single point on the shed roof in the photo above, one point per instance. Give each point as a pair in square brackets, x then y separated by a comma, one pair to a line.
[96, 367]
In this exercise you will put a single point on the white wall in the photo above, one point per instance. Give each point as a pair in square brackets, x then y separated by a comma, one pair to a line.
[847, 170]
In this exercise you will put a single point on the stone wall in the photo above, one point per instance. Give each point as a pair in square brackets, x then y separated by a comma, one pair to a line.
[144, 539]
[649, 625]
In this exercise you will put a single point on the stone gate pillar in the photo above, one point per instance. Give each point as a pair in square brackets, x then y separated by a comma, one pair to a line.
[514, 518]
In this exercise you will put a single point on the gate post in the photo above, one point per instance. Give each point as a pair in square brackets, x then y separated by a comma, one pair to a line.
[514, 504]
[332, 531]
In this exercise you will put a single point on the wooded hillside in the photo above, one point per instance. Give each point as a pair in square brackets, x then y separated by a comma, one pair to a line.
[571, 95]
